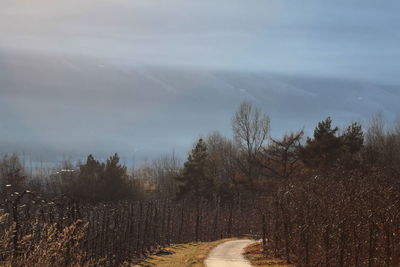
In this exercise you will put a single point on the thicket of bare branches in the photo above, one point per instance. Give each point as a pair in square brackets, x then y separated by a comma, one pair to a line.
[341, 206]
[63, 232]
[348, 218]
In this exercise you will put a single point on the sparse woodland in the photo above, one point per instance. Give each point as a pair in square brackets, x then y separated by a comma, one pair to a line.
[331, 199]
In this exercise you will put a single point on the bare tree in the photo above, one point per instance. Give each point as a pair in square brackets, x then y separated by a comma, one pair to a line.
[222, 155]
[12, 176]
[250, 129]
[166, 168]
[376, 130]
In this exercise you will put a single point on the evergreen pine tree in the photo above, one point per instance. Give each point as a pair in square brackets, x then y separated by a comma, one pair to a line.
[353, 138]
[194, 180]
[103, 181]
[324, 149]
[352, 141]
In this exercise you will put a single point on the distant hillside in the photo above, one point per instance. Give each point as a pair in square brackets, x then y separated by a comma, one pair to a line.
[65, 104]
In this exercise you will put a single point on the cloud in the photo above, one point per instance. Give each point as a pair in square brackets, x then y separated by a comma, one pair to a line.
[334, 38]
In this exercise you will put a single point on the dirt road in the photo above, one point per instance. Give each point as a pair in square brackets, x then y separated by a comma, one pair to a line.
[229, 254]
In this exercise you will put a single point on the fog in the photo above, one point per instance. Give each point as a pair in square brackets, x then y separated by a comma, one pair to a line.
[143, 78]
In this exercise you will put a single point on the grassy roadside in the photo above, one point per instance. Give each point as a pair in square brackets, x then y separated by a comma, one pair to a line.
[254, 254]
[182, 255]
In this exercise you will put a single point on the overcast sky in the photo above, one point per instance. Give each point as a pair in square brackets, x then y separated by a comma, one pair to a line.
[83, 76]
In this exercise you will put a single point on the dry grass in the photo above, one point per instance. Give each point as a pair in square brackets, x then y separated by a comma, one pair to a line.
[254, 253]
[183, 255]
[48, 246]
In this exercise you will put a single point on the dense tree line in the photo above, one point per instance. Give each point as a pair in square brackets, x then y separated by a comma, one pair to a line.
[331, 199]
[340, 206]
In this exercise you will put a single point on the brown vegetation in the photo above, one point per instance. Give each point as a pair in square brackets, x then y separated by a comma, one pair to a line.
[256, 255]
[71, 234]
[181, 255]
[330, 200]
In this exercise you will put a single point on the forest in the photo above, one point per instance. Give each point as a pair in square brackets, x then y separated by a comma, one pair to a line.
[329, 199]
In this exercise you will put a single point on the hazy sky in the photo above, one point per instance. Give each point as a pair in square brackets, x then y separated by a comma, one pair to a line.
[147, 76]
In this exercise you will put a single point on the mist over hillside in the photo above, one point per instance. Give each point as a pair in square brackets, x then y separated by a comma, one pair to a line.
[54, 105]
[144, 78]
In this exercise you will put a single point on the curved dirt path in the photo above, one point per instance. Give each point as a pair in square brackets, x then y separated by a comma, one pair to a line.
[229, 254]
